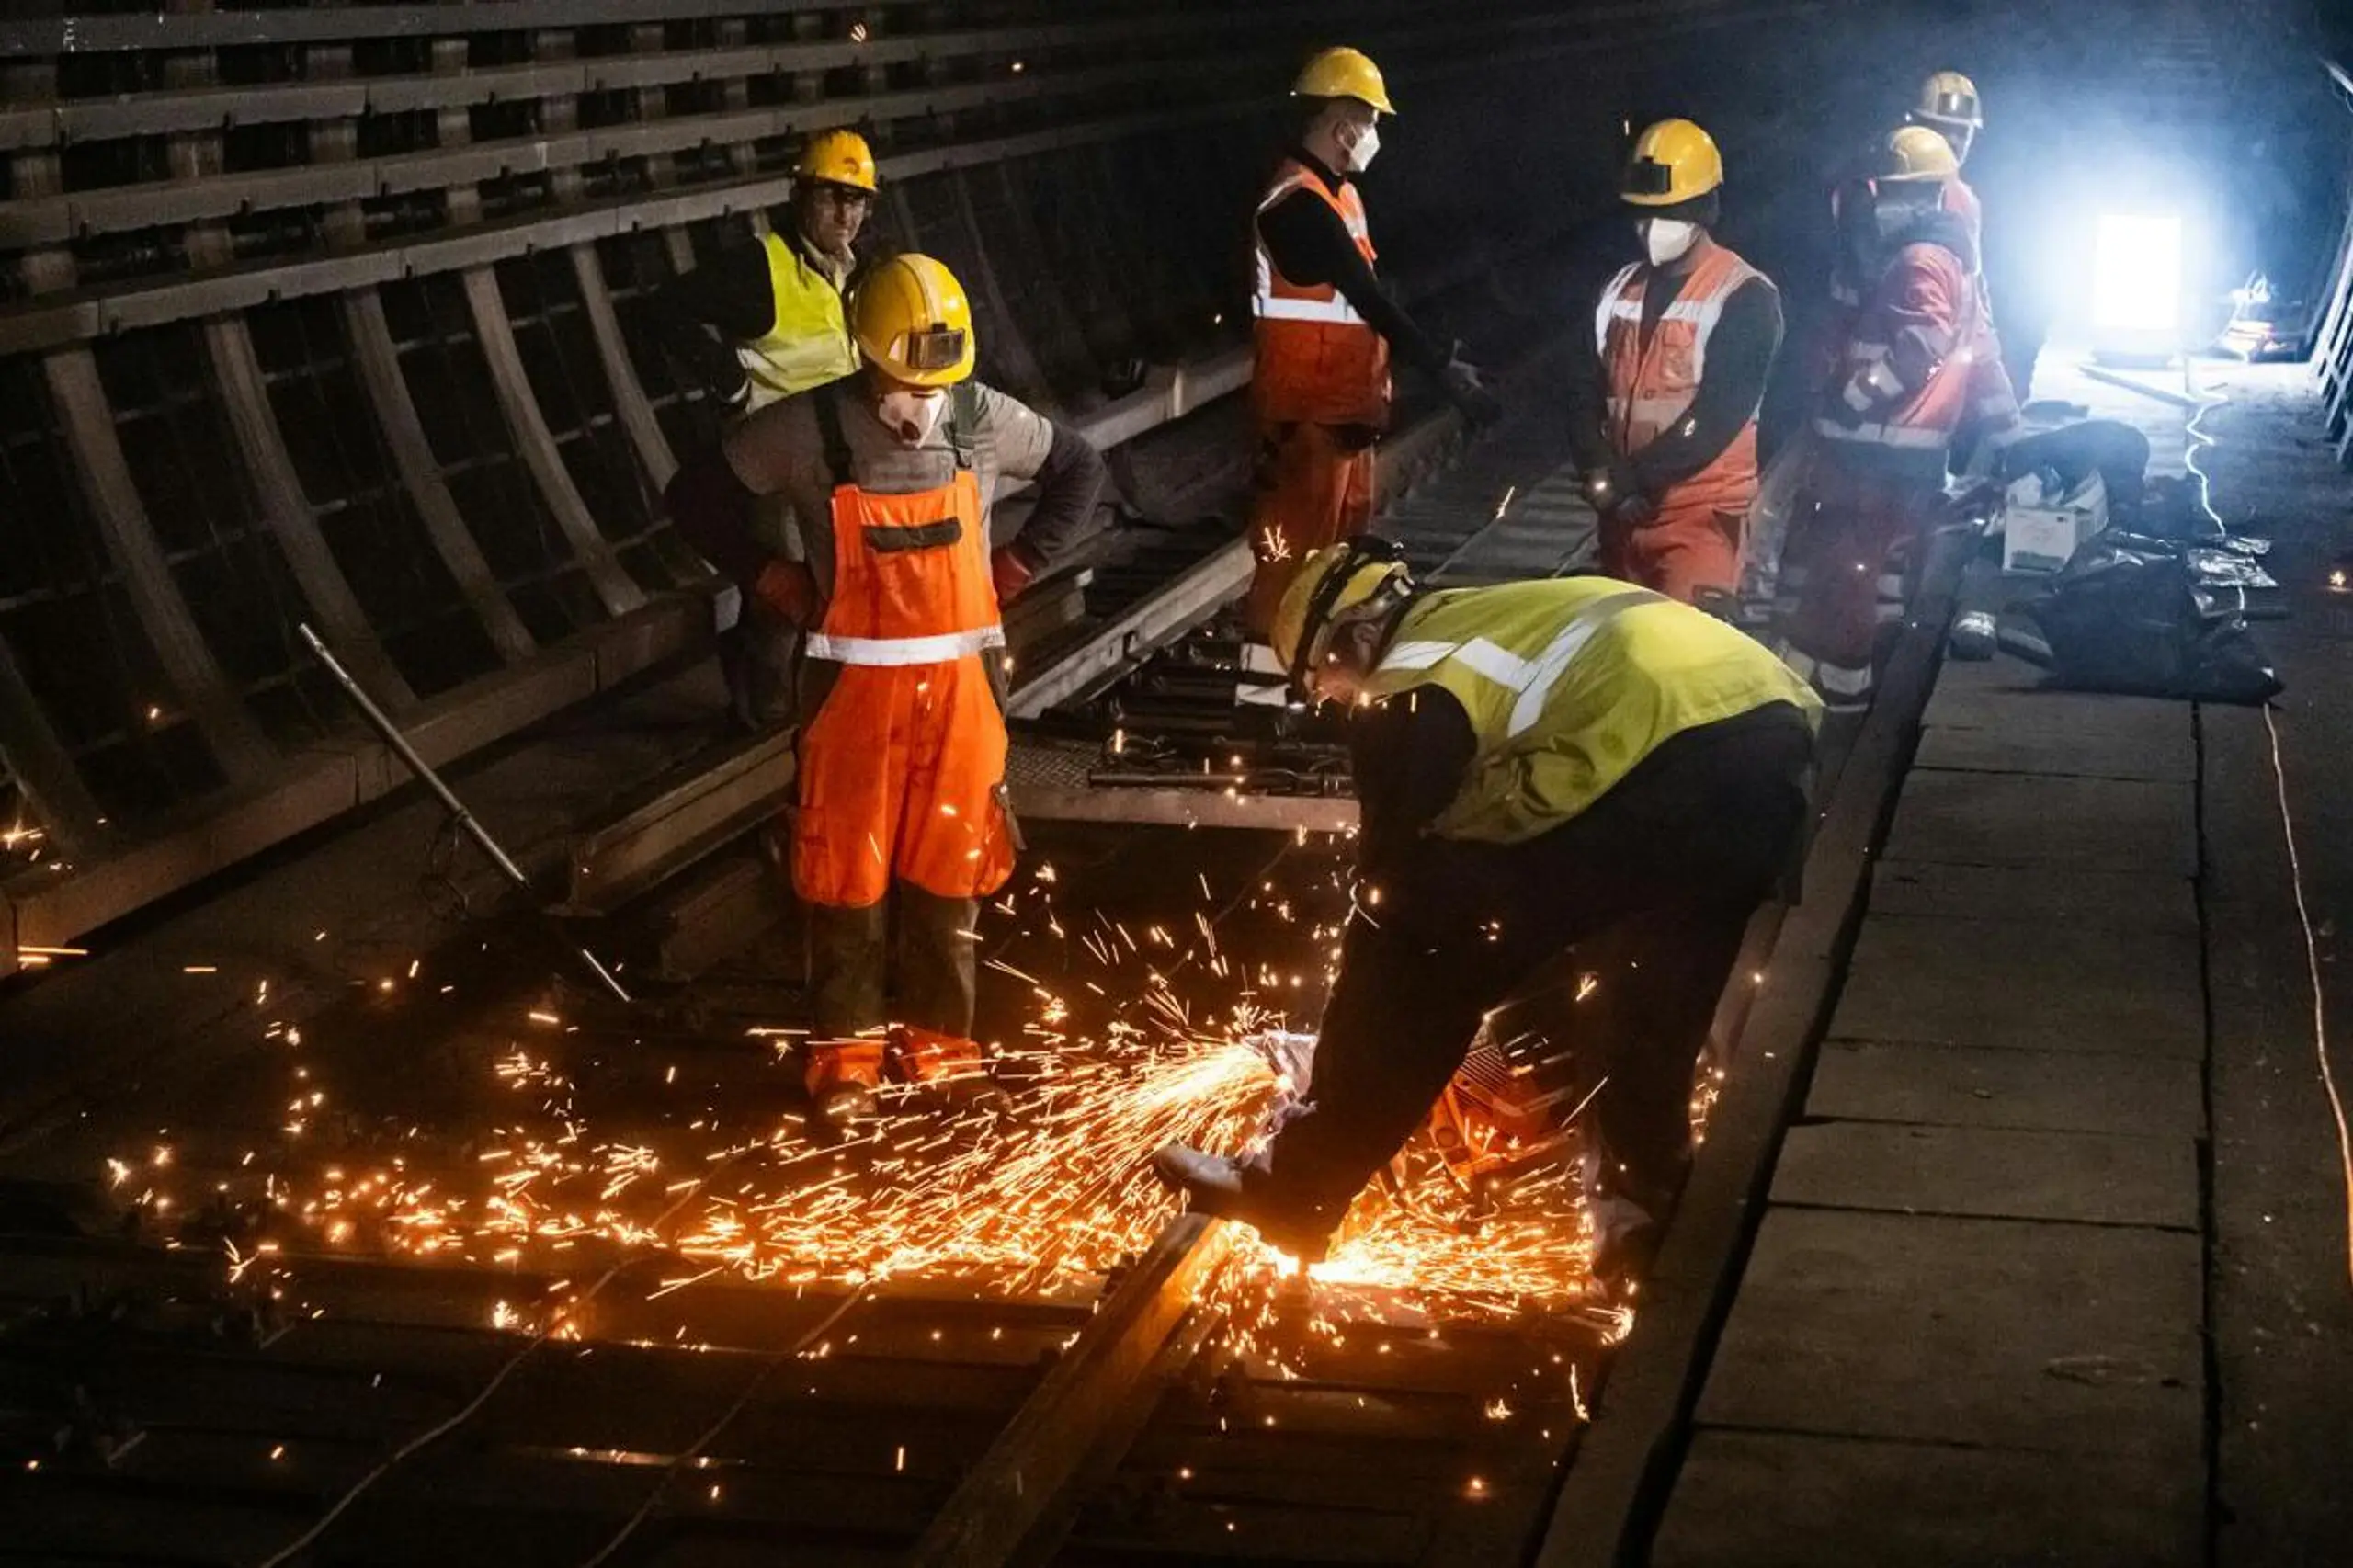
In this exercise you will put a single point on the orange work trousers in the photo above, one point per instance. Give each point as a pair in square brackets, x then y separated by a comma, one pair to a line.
[901, 774]
[1314, 487]
[1688, 546]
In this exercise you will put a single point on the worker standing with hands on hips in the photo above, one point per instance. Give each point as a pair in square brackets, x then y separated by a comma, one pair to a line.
[900, 791]
[1904, 384]
[761, 323]
[1324, 331]
[1538, 763]
[1663, 410]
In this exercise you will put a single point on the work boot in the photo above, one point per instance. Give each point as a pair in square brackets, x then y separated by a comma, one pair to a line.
[842, 1076]
[1214, 1184]
[949, 1064]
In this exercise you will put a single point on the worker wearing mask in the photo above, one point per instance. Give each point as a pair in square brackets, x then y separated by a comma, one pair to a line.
[1904, 382]
[1538, 764]
[1662, 411]
[761, 323]
[890, 476]
[1325, 329]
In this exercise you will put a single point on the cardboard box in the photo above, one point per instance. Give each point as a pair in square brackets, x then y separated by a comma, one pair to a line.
[2040, 534]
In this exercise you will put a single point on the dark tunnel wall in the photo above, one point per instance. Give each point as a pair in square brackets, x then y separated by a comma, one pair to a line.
[331, 313]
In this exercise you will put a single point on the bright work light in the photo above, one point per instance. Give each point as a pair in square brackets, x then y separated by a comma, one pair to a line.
[2136, 274]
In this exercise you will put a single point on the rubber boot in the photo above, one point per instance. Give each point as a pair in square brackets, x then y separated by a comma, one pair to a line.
[950, 1065]
[842, 1076]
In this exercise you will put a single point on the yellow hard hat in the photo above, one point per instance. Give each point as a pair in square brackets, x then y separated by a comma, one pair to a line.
[914, 323]
[1343, 74]
[1916, 153]
[838, 157]
[1673, 162]
[1950, 98]
[1330, 583]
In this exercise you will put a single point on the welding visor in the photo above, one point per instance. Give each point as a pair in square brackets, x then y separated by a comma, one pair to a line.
[1364, 549]
[1960, 108]
[1648, 176]
[933, 348]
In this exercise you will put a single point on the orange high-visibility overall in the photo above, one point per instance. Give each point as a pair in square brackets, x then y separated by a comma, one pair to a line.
[1694, 542]
[901, 770]
[1320, 390]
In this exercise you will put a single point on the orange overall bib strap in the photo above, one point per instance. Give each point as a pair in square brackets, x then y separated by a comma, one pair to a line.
[901, 768]
[911, 572]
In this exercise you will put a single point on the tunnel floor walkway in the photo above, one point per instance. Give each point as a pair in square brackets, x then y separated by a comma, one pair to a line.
[2054, 1263]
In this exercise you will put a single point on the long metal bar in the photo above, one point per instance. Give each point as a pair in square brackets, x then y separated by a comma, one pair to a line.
[420, 475]
[620, 373]
[1005, 1495]
[104, 34]
[54, 218]
[43, 768]
[56, 321]
[148, 114]
[121, 518]
[535, 443]
[286, 510]
[390, 733]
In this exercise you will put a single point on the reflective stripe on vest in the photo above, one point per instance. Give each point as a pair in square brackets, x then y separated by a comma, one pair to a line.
[808, 343]
[1318, 360]
[1651, 385]
[1569, 683]
[936, 650]
[1530, 679]
[911, 575]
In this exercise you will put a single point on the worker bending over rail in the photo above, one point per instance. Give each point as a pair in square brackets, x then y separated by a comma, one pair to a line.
[1663, 410]
[1324, 330]
[1538, 763]
[757, 323]
[891, 477]
[1902, 385]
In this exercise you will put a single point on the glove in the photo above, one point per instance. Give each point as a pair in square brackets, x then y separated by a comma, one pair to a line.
[1469, 393]
[787, 590]
[1009, 573]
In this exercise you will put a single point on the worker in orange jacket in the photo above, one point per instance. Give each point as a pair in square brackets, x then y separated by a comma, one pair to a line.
[1663, 412]
[899, 789]
[1324, 330]
[1884, 422]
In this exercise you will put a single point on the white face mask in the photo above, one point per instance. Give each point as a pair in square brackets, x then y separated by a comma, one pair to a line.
[1667, 239]
[911, 416]
[1360, 155]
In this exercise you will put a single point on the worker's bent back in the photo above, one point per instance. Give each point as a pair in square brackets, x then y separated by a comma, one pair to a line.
[1569, 683]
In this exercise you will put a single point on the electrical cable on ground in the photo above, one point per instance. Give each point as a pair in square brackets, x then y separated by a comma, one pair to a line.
[2199, 439]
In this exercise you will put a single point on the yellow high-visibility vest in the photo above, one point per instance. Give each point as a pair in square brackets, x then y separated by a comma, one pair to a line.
[1570, 682]
[809, 343]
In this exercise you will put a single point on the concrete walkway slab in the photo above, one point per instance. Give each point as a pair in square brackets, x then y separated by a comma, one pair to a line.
[2013, 700]
[2054, 1091]
[2069, 1339]
[1778, 1500]
[2037, 895]
[1979, 983]
[2099, 824]
[2167, 756]
[2000, 1173]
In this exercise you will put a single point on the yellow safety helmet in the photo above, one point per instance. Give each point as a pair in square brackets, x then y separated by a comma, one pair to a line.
[1673, 162]
[1329, 583]
[914, 323]
[1344, 74]
[1917, 152]
[838, 157]
[1950, 98]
